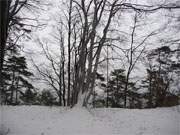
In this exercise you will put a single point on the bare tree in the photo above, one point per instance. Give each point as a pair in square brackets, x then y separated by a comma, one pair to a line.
[133, 54]
[69, 52]
[90, 16]
[53, 74]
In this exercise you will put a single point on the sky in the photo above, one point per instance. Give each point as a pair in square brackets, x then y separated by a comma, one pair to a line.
[49, 15]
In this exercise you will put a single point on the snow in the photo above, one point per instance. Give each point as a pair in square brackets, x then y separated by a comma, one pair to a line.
[40, 120]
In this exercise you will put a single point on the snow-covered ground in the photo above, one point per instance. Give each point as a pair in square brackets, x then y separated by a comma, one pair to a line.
[39, 120]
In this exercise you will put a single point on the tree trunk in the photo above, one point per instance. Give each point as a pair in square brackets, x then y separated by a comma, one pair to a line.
[12, 87]
[69, 55]
[63, 81]
[4, 7]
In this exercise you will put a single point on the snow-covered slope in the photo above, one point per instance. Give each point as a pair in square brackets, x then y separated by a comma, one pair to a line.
[38, 120]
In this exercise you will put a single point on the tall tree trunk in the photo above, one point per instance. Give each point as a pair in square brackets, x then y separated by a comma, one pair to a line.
[69, 55]
[4, 21]
[107, 98]
[63, 81]
[60, 87]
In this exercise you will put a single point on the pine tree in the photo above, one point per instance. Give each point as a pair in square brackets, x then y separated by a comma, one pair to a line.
[115, 89]
[29, 97]
[160, 76]
[17, 75]
[47, 98]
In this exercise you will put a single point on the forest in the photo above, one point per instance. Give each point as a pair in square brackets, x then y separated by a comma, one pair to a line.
[92, 53]
[89, 67]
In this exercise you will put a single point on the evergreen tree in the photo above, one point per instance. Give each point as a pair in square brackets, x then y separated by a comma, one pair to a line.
[17, 75]
[160, 76]
[47, 98]
[29, 97]
[115, 89]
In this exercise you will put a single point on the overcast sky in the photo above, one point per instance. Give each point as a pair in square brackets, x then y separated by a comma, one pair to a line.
[50, 15]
